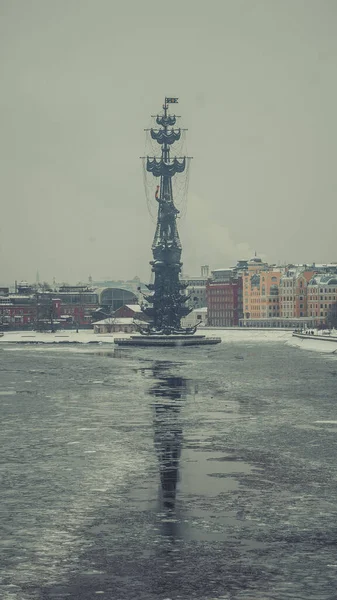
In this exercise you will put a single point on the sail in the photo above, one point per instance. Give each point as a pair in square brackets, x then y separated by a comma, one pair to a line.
[166, 169]
[166, 137]
[167, 121]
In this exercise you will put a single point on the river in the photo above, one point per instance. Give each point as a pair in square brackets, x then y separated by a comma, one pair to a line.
[193, 473]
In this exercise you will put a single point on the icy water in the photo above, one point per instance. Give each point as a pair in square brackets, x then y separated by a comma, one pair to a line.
[159, 473]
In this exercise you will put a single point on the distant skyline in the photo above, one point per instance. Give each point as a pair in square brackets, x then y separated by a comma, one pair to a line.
[257, 89]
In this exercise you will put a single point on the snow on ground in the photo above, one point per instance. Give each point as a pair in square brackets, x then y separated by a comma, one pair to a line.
[245, 336]
[89, 337]
[314, 345]
[71, 337]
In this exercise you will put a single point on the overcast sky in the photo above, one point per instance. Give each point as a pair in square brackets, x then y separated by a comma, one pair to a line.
[256, 81]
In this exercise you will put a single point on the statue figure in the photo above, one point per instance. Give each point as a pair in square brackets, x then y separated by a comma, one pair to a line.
[167, 217]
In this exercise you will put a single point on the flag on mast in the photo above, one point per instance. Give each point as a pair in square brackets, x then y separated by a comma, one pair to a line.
[171, 100]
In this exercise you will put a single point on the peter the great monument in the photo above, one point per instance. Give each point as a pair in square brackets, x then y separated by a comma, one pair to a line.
[166, 302]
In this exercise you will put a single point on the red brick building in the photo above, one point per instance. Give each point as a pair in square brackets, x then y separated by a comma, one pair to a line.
[16, 312]
[132, 311]
[224, 298]
[31, 309]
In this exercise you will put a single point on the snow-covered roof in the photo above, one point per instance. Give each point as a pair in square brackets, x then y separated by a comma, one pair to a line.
[116, 321]
[224, 269]
[194, 278]
[134, 307]
[327, 279]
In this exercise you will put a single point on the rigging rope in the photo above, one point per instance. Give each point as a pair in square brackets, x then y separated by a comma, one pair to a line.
[179, 183]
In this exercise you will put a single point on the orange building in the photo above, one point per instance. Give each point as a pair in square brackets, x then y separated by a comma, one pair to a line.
[260, 291]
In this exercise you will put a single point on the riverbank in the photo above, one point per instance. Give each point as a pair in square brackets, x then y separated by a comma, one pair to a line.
[316, 336]
[89, 337]
[59, 337]
[316, 342]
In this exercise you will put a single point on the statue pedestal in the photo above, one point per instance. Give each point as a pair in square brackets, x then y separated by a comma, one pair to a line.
[167, 340]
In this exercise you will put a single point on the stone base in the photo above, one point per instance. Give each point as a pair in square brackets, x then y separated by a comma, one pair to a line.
[167, 340]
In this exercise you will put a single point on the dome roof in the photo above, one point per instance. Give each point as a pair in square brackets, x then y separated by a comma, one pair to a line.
[255, 259]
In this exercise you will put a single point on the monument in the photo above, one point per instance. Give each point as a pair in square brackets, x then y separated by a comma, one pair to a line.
[166, 302]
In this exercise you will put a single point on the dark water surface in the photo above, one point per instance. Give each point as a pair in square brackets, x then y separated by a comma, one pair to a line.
[154, 474]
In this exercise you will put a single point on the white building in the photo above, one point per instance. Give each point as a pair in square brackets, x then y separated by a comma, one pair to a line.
[322, 297]
[196, 288]
[198, 315]
[117, 324]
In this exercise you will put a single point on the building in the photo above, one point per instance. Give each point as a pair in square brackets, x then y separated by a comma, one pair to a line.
[40, 307]
[278, 322]
[196, 316]
[224, 298]
[287, 296]
[75, 304]
[254, 289]
[17, 311]
[25, 308]
[293, 289]
[112, 298]
[322, 297]
[132, 285]
[260, 292]
[116, 325]
[133, 311]
[125, 319]
[196, 288]
[323, 268]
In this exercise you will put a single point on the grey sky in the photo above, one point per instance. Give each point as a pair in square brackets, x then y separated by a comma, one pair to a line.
[257, 86]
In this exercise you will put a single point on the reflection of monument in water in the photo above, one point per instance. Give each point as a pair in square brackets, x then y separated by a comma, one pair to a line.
[168, 392]
[166, 300]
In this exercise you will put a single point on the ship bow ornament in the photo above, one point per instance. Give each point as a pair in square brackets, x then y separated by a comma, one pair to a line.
[166, 303]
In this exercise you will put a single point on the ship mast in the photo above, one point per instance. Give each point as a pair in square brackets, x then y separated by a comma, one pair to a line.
[165, 182]
[167, 301]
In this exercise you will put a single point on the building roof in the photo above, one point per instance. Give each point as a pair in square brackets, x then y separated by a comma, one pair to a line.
[255, 259]
[203, 309]
[116, 321]
[134, 307]
[327, 279]
[297, 271]
[223, 269]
